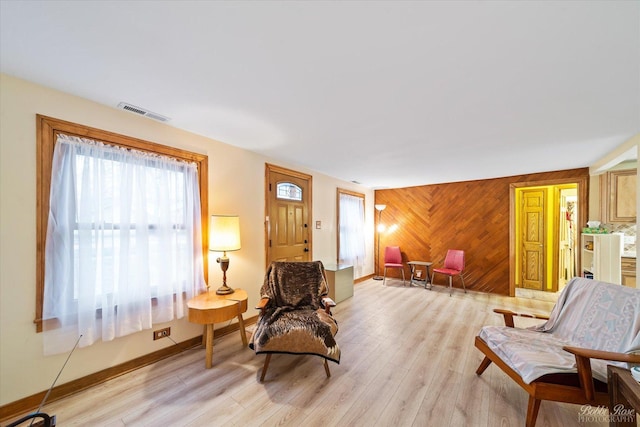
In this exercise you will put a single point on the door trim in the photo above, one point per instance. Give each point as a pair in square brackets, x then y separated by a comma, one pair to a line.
[583, 206]
[268, 169]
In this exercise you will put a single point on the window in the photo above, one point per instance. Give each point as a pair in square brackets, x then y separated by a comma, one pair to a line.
[124, 243]
[351, 240]
[288, 191]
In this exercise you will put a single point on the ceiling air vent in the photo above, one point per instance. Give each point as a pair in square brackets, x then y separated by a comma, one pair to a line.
[143, 112]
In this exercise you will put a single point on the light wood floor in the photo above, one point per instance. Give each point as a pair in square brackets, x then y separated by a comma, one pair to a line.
[407, 360]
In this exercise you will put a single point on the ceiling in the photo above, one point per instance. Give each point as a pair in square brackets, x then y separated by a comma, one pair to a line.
[389, 94]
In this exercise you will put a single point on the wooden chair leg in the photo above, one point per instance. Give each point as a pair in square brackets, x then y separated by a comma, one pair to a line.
[266, 365]
[483, 365]
[326, 368]
[532, 411]
[450, 286]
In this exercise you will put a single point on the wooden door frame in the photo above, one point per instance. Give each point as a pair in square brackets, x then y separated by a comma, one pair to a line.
[268, 168]
[583, 203]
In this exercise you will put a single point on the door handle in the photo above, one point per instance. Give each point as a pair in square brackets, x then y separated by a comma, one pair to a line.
[306, 249]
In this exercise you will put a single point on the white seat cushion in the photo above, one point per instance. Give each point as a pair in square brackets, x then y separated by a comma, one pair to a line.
[531, 354]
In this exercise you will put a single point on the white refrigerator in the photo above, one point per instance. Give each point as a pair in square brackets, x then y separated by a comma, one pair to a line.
[602, 257]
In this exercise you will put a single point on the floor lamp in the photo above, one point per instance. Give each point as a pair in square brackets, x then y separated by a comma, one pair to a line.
[379, 208]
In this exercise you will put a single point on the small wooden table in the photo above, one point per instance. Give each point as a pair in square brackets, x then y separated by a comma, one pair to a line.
[209, 308]
[624, 397]
[427, 280]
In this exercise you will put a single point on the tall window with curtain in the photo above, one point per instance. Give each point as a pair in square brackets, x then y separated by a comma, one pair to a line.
[123, 244]
[351, 238]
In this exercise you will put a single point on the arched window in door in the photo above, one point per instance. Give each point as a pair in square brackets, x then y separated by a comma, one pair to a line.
[288, 191]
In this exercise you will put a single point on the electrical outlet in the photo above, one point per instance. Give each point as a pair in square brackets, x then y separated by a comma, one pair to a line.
[161, 333]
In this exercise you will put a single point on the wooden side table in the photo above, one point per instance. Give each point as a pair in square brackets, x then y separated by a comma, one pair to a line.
[624, 397]
[413, 265]
[209, 308]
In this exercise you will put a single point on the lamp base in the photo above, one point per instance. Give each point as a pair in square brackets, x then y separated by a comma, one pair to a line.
[224, 290]
[377, 277]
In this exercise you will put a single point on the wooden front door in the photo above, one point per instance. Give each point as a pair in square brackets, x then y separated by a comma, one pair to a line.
[533, 238]
[288, 215]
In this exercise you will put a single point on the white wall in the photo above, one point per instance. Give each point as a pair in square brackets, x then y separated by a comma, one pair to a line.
[236, 185]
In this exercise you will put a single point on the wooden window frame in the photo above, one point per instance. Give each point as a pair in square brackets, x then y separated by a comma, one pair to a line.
[47, 130]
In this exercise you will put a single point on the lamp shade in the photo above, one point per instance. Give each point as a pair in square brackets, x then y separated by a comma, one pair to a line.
[380, 207]
[224, 233]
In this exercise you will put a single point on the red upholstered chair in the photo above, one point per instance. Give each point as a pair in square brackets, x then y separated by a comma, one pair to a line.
[453, 266]
[392, 259]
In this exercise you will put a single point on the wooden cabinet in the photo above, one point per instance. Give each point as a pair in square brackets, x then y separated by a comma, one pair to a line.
[602, 257]
[618, 196]
[629, 272]
[624, 396]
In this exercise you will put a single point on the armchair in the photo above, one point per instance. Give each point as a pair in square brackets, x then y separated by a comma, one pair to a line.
[565, 359]
[295, 314]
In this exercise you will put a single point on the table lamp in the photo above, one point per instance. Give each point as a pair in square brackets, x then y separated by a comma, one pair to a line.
[224, 235]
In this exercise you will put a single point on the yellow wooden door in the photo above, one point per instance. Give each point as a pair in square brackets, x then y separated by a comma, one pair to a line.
[533, 238]
[288, 197]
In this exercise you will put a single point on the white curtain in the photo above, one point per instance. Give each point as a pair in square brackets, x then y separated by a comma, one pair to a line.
[124, 242]
[352, 239]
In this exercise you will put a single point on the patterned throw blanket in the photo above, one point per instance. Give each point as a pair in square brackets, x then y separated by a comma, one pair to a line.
[589, 314]
[294, 321]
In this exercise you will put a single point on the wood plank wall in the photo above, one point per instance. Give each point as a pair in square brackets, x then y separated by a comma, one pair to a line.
[470, 215]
